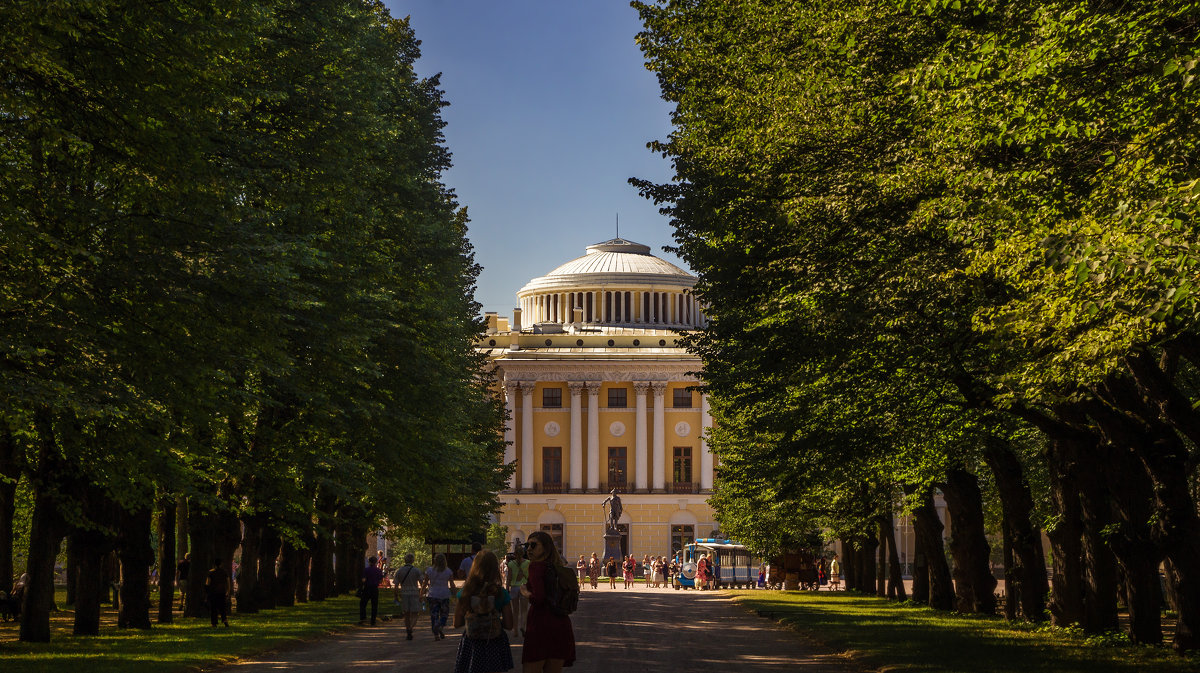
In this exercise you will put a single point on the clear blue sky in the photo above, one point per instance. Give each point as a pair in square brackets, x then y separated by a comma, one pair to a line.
[550, 111]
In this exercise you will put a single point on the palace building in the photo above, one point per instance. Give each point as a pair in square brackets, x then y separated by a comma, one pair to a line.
[600, 396]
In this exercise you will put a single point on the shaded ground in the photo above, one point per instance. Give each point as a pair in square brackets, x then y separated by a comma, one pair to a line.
[616, 630]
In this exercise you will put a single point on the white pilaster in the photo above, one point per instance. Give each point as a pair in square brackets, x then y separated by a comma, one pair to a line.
[706, 457]
[593, 461]
[527, 435]
[510, 429]
[641, 463]
[576, 480]
[660, 449]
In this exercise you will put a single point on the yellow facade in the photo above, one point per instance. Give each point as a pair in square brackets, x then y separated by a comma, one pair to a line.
[607, 321]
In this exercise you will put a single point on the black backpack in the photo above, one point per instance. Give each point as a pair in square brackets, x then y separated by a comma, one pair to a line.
[562, 590]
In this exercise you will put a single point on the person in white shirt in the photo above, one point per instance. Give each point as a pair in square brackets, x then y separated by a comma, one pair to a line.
[438, 582]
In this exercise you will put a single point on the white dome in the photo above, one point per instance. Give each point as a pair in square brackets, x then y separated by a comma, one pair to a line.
[619, 256]
[617, 283]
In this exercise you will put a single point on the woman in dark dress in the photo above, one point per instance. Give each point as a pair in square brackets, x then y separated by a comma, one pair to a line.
[549, 638]
[611, 571]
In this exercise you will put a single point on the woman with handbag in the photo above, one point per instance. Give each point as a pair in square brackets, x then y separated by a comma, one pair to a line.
[485, 608]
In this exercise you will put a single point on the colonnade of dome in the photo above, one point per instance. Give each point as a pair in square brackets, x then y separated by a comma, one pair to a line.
[617, 283]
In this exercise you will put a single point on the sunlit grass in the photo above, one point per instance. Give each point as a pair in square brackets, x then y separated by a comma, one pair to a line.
[185, 645]
[902, 637]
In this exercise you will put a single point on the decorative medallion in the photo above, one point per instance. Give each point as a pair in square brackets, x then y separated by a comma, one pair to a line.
[551, 429]
[683, 429]
[616, 429]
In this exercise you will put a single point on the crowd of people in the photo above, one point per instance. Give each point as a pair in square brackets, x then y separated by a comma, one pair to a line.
[498, 602]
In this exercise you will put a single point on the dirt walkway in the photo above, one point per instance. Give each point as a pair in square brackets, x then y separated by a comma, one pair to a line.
[616, 631]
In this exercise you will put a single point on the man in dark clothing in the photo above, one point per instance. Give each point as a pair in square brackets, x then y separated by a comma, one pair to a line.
[371, 577]
[464, 568]
[217, 586]
[182, 571]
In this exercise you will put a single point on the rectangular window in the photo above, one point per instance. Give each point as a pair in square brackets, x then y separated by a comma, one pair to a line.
[555, 531]
[552, 465]
[682, 398]
[618, 398]
[681, 536]
[616, 467]
[552, 398]
[682, 465]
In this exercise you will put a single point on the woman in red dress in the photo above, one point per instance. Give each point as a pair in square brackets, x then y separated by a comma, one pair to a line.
[549, 638]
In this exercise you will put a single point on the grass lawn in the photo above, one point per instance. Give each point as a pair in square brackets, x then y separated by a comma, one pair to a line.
[186, 645]
[888, 636]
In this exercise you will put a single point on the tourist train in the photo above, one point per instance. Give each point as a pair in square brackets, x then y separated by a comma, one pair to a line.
[737, 567]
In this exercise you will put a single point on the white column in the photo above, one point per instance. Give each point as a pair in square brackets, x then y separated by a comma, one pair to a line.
[706, 457]
[576, 481]
[527, 435]
[510, 429]
[593, 461]
[660, 437]
[641, 462]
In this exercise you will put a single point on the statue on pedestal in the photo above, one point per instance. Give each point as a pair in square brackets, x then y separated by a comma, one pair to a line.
[614, 509]
[612, 530]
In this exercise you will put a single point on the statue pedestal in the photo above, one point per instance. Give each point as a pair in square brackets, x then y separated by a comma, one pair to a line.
[612, 546]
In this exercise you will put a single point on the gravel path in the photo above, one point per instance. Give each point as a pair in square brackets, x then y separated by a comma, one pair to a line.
[618, 631]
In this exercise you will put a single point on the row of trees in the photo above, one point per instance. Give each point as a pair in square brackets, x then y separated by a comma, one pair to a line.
[236, 299]
[950, 244]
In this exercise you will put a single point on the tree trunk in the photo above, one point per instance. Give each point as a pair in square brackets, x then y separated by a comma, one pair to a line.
[895, 580]
[165, 523]
[1066, 605]
[866, 555]
[303, 570]
[1012, 587]
[45, 537]
[344, 561]
[268, 580]
[289, 574]
[849, 563]
[90, 549]
[201, 527]
[137, 555]
[247, 584]
[181, 528]
[1157, 413]
[1025, 563]
[10, 472]
[881, 561]
[72, 569]
[322, 560]
[928, 529]
[974, 583]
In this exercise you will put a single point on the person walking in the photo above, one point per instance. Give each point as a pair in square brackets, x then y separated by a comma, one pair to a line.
[549, 638]
[518, 575]
[485, 608]
[835, 574]
[182, 572]
[610, 569]
[406, 592]
[671, 571]
[368, 590]
[628, 567]
[218, 586]
[581, 569]
[647, 569]
[702, 572]
[464, 568]
[438, 583]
